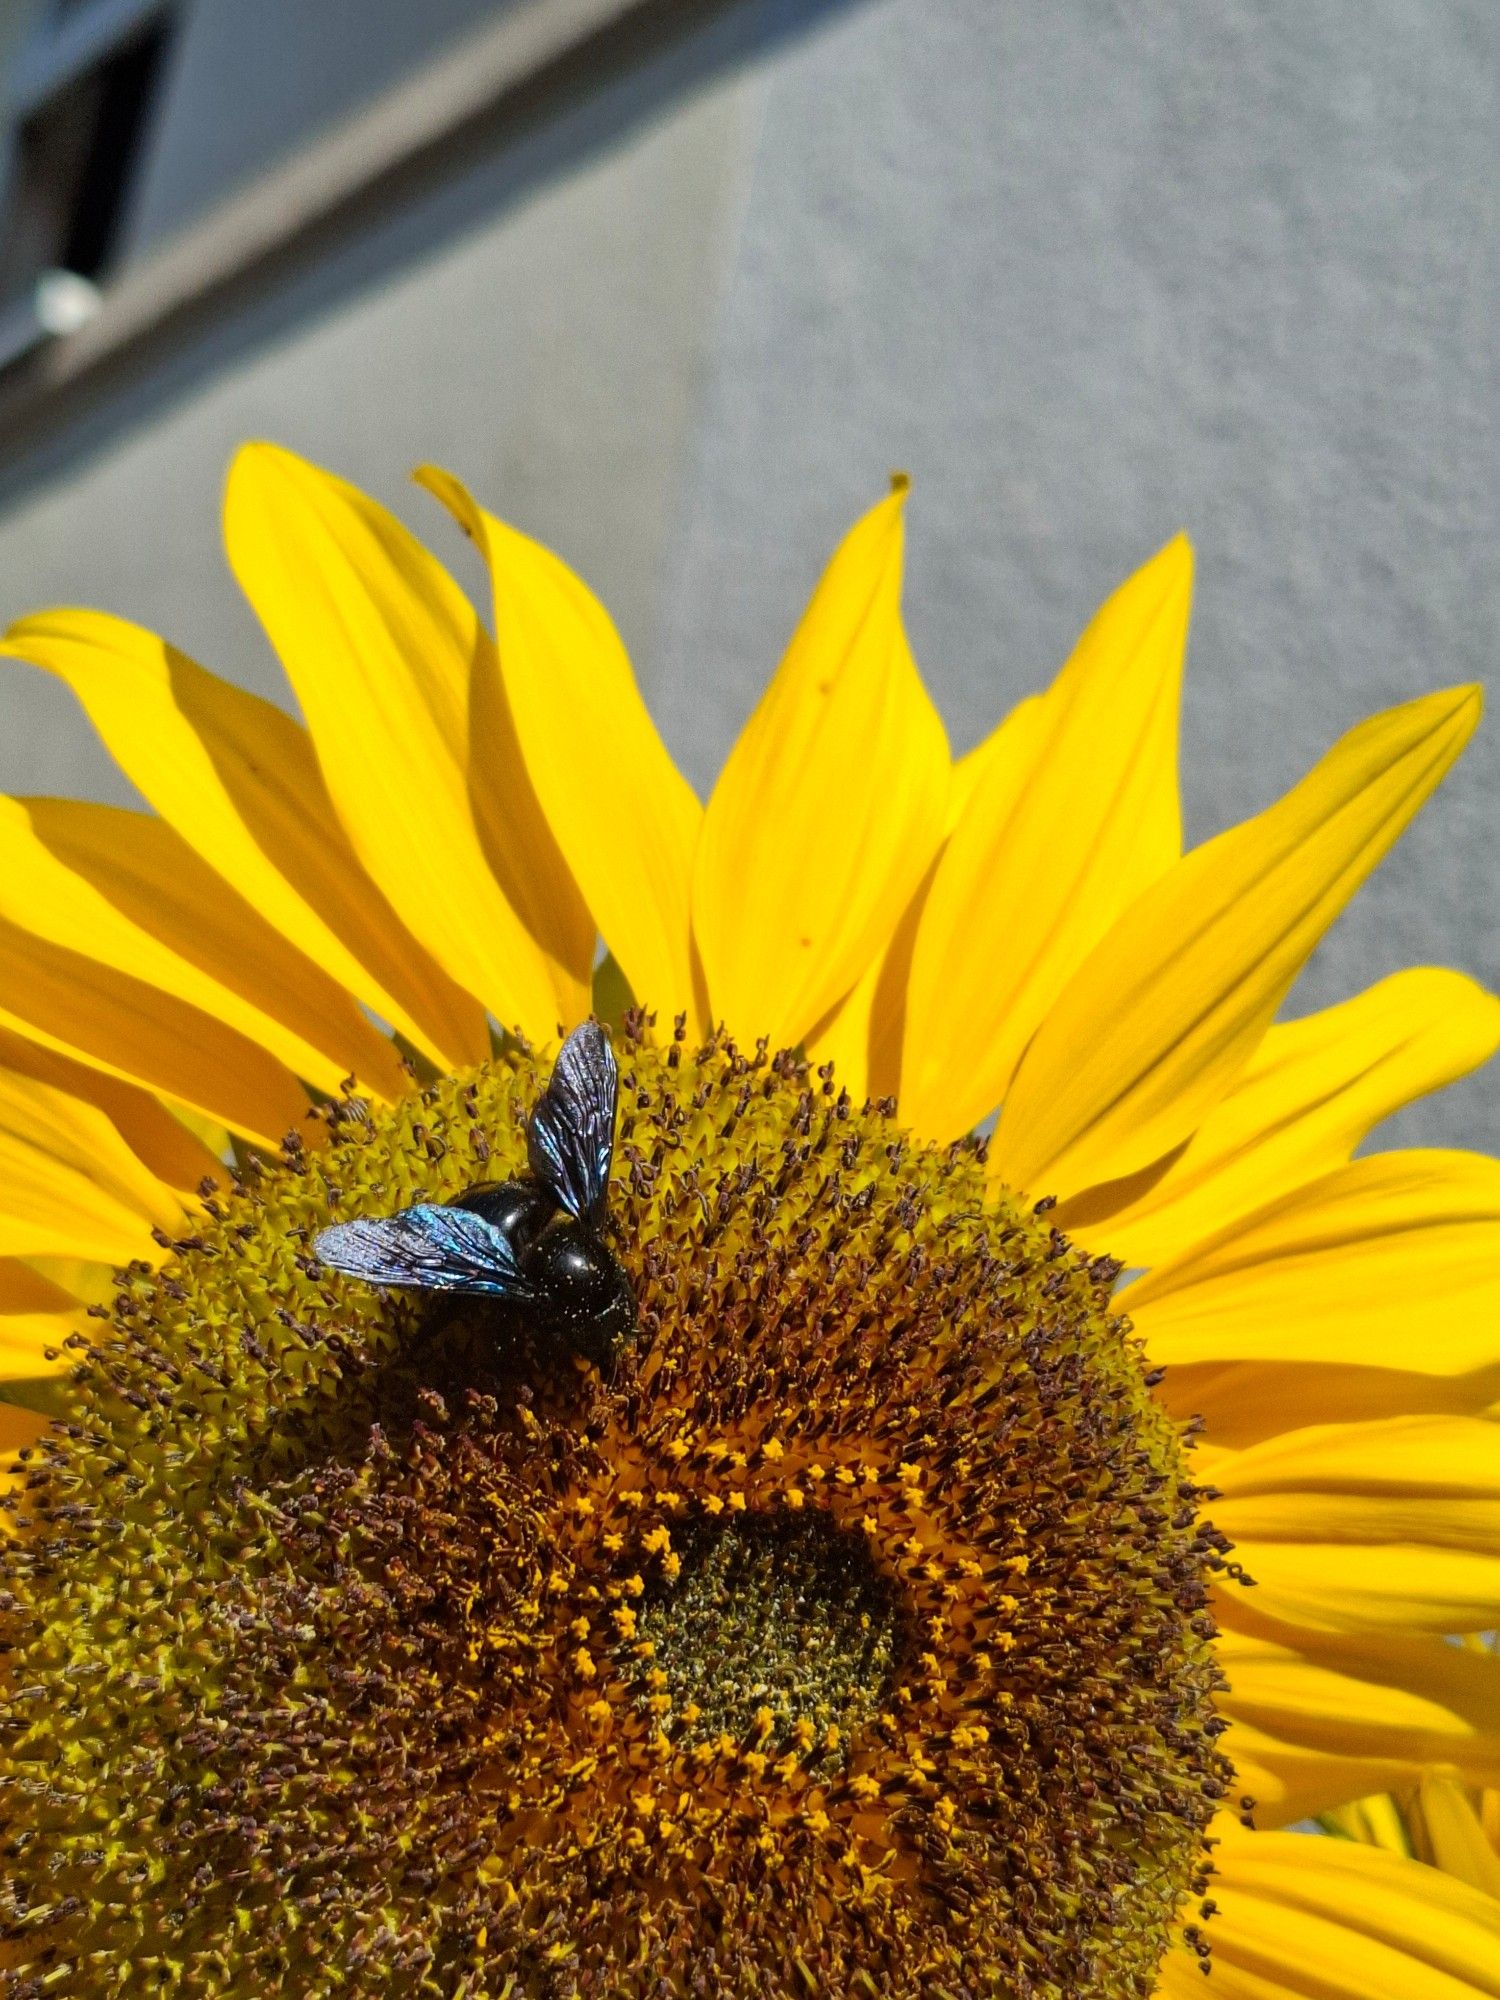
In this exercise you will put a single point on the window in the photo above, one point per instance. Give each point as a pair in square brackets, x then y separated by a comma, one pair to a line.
[81, 101]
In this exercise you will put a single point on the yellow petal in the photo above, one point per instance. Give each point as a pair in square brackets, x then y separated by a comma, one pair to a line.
[124, 888]
[1391, 1261]
[1301, 1105]
[622, 813]
[237, 779]
[1002, 763]
[1033, 875]
[1305, 1917]
[19, 1429]
[159, 1141]
[107, 1019]
[1377, 1821]
[1329, 1716]
[34, 1336]
[36, 1316]
[1169, 1006]
[862, 1038]
[1392, 1524]
[1241, 1402]
[829, 808]
[69, 1185]
[25, 1290]
[1454, 1839]
[1288, 1782]
[381, 647]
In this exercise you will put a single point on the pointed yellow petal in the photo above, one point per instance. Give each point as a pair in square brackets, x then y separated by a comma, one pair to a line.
[1393, 1524]
[1304, 1917]
[1033, 875]
[1454, 1837]
[1158, 1021]
[1391, 1261]
[1299, 1108]
[621, 812]
[125, 889]
[829, 808]
[115, 1023]
[237, 779]
[69, 1185]
[162, 1143]
[381, 647]
[1329, 1716]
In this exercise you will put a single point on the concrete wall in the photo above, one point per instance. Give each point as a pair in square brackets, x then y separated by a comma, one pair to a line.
[1090, 271]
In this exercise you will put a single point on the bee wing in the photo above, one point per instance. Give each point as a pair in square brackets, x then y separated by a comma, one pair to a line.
[571, 1134]
[430, 1248]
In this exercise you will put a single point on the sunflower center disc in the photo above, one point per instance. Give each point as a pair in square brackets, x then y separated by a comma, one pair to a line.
[773, 1629]
[848, 1635]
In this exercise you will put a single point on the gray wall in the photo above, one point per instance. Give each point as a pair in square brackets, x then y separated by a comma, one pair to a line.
[1089, 271]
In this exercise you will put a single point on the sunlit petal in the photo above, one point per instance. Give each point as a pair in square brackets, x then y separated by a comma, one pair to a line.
[238, 780]
[1391, 1261]
[1034, 874]
[1301, 1917]
[1167, 1009]
[1301, 1105]
[381, 647]
[618, 807]
[829, 808]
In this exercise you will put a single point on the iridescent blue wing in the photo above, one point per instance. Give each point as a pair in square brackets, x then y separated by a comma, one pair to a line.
[430, 1248]
[571, 1136]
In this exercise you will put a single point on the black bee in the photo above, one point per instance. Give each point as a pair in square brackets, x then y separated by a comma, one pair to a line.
[532, 1244]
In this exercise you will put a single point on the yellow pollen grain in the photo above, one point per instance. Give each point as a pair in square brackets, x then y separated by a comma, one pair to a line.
[772, 1449]
[583, 1665]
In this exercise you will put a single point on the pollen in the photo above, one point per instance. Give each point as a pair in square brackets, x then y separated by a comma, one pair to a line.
[848, 1637]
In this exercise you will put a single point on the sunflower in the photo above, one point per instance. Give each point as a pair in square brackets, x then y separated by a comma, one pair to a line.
[984, 1552]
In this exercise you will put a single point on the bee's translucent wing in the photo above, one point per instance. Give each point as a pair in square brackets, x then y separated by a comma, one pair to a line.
[571, 1136]
[431, 1249]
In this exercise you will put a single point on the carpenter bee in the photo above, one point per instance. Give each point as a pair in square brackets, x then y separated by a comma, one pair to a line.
[532, 1245]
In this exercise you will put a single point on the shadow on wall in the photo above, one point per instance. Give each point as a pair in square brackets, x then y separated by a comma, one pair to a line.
[574, 110]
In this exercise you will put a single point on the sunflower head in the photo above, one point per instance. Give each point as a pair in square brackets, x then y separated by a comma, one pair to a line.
[848, 1637]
